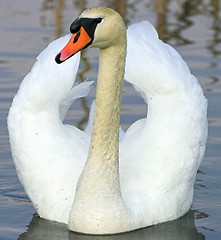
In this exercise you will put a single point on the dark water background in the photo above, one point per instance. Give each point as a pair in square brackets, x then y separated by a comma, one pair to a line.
[192, 27]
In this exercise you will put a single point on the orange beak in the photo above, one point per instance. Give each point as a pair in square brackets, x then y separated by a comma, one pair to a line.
[77, 42]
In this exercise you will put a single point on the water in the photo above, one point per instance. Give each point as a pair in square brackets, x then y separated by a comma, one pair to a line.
[193, 27]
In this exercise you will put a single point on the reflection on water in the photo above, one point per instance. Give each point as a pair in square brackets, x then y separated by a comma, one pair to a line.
[182, 229]
[193, 27]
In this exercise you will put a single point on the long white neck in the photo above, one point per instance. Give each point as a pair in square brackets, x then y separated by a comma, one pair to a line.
[104, 144]
[98, 205]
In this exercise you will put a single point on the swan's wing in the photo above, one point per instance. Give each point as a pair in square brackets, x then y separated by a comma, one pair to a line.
[48, 69]
[139, 36]
[78, 91]
[150, 62]
[157, 70]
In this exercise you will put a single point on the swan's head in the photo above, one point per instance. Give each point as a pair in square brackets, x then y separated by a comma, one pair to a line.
[96, 27]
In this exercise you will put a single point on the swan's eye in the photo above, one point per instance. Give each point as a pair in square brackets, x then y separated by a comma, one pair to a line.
[98, 20]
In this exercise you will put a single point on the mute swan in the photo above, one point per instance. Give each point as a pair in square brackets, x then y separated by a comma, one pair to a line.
[146, 180]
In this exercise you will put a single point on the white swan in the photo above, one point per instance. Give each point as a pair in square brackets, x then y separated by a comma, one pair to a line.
[159, 155]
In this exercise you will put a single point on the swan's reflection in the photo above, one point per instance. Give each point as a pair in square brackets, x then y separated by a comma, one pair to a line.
[182, 229]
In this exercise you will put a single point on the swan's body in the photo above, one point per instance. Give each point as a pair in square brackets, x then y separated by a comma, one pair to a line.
[159, 155]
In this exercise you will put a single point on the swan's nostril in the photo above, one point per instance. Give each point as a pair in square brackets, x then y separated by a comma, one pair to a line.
[76, 37]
